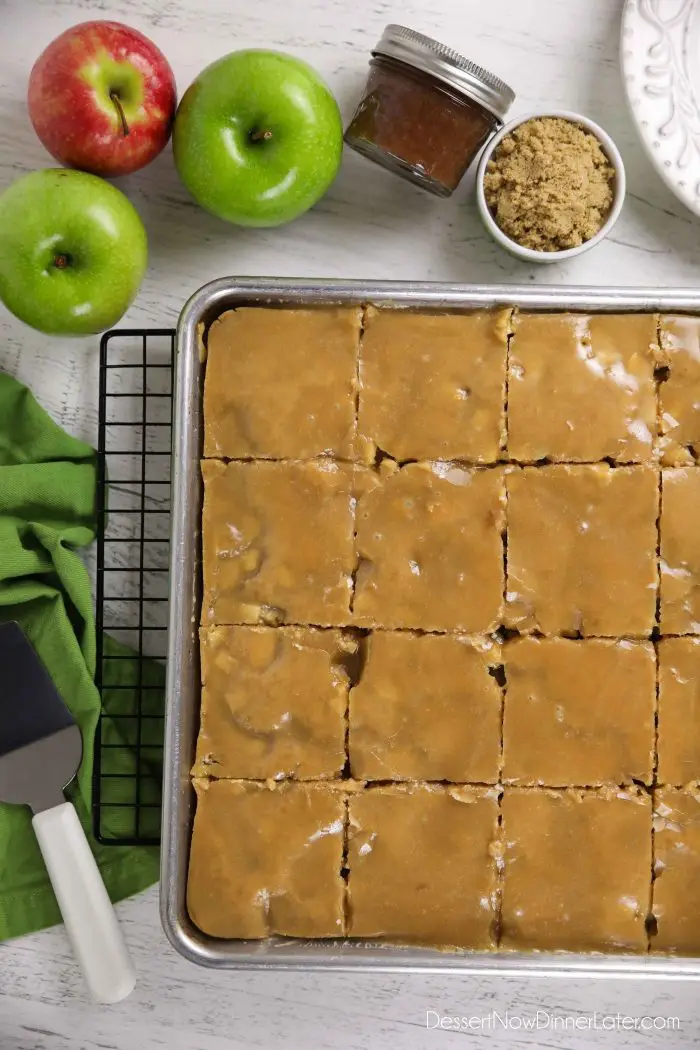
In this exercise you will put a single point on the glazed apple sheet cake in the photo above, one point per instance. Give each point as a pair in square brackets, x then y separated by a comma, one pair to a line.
[450, 630]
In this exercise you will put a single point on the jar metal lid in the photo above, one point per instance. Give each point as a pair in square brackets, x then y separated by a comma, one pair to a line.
[426, 54]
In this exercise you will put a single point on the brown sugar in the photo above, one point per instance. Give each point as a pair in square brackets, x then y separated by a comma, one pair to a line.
[549, 185]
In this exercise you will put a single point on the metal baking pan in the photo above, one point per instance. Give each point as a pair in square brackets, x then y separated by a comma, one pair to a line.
[183, 648]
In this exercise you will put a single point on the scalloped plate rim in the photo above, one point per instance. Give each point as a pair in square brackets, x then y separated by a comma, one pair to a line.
[632, 66]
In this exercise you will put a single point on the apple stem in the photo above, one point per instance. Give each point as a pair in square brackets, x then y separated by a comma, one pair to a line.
[260, 136]
[61, 261]
[120, 112]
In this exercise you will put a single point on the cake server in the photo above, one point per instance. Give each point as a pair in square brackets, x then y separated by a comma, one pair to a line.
[40, 751]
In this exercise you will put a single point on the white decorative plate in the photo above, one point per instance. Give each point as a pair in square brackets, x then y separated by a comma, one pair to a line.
[660, 52]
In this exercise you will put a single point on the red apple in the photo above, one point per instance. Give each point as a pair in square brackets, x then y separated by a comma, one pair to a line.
[102, 98]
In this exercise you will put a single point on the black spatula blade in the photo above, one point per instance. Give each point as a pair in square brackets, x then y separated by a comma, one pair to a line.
[40, 743]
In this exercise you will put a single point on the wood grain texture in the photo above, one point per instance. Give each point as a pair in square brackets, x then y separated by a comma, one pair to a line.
[556, 53]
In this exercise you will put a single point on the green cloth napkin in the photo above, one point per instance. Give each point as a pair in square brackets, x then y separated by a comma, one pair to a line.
[47, 511]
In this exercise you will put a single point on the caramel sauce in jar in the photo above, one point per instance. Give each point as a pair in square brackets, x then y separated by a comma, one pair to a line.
[426, 111]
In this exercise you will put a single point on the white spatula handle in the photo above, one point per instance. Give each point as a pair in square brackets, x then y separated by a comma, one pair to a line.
[87, 911]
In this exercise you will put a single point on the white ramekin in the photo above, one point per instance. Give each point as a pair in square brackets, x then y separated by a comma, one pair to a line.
[530, 254]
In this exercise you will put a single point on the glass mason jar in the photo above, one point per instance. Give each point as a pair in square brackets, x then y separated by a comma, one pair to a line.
[426, 111]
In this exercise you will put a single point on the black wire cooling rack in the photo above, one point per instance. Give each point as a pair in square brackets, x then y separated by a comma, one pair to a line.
[135, 420]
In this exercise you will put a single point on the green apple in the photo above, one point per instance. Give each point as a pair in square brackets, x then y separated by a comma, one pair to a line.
[73, 253]
[258, 138]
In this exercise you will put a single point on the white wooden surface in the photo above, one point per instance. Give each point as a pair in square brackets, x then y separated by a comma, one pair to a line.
[561, 53]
